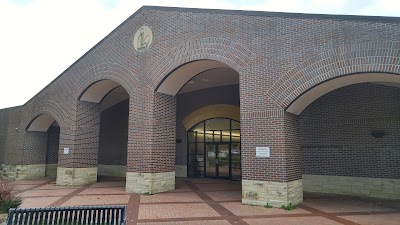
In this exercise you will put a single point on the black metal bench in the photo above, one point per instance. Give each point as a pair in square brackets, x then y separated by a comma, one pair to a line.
[78, 215]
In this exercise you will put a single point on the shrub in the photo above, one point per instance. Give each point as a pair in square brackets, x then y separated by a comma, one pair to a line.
[267, 206]
[7, 200]
[14, 202]
[5, 191]
[289, 207]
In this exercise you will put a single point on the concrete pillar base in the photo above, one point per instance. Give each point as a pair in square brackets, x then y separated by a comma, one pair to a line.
[274, 194]
[150, 183]
[76, 176]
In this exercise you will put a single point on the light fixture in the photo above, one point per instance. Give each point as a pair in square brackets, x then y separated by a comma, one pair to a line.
[378, 133]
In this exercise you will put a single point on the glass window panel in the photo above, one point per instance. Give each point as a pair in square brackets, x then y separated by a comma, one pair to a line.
[191, 136]
[200, 137]
[192, 148]
[200, 171]
[235, 125]
[223, 160]
[236, 162]
[199, 127]
[192, 171]
[209, 136]
[217, 124]
[200, 148]
[211, 158]
[200, 159]
[235, 149]
[226, 136]
[235, 135]
[217, 136]
[192, 160]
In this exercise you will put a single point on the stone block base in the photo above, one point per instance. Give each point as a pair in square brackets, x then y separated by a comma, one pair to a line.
[180, 171]
[357, 186]
[76, 176]
[51, 170]
[150, 183]
[275, 194]
[22, 172]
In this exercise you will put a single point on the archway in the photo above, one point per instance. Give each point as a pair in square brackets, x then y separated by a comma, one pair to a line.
[113, 116]
[349, 134]
[309, 96]
[204, 89]
[41, 146]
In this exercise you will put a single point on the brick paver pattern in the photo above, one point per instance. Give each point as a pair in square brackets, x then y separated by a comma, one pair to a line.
[206, 202]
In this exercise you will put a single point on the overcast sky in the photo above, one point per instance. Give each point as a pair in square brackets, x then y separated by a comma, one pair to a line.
[41, 38]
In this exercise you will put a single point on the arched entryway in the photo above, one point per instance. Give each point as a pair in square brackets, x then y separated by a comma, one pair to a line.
[196, 86]
[349, 135]
[113, 113]
[100, 133]
[41, 147]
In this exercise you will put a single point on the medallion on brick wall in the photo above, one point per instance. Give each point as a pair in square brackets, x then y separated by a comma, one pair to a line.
[143, 39]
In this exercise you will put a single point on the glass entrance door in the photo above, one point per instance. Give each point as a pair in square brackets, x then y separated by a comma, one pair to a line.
[223, 160]
[214, 149]
[217, 160]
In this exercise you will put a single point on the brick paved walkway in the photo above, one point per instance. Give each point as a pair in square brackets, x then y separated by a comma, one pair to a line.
[207, 202]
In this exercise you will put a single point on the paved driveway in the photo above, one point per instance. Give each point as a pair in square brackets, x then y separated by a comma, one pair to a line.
[207, 202]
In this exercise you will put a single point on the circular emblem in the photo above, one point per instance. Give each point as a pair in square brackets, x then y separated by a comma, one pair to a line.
[143, 39]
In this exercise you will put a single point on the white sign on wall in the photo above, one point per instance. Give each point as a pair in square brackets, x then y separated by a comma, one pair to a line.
[263, 152]
[66, 151]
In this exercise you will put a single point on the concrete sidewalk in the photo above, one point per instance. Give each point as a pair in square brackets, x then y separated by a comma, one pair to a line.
[206, 202]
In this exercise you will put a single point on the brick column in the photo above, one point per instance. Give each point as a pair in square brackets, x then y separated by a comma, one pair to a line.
[79, 166]
[275, 180]
[151, 145]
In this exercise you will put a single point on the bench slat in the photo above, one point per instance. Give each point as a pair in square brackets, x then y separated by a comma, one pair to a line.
[81, 215]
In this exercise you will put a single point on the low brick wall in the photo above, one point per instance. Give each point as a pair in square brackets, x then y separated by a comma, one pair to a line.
[180, 171]
[111, 170]
[22, 172]
[51, 170]
[358, 186]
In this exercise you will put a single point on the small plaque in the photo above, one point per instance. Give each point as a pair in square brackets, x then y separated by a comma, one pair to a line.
[263, 152]
[66, 151]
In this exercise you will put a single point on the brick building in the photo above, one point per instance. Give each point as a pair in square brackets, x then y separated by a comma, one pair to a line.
[284, 102]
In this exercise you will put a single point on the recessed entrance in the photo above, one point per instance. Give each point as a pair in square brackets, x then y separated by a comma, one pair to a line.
[214, 149]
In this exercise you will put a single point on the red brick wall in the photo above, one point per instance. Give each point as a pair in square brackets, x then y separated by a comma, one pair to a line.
[14, 145]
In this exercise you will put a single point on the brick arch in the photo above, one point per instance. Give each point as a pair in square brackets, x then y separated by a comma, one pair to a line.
[371, 57]
[108, 71]
[49, 107]
[222, 50]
